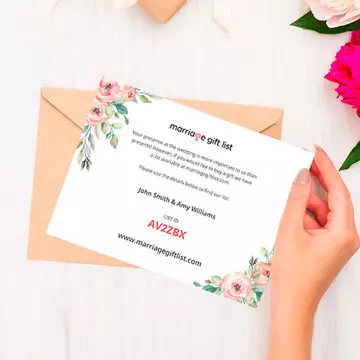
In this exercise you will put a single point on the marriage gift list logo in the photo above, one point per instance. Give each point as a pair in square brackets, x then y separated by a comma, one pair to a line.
[197, 136]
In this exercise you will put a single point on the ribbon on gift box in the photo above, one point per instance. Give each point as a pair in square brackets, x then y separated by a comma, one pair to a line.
[221, 11]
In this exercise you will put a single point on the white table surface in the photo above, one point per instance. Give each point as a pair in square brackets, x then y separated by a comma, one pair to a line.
[76, 312]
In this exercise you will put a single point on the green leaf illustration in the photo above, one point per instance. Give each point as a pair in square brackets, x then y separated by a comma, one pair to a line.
[309, 22]
[264, 252]
[109, 111]
[352, 158]
[253, 261]
[216, 280]
[79, 143]
[117, 126]
[126, 120]
[207, 282]
[109, 135]
[97, 131]
[87, 165]
[117, 115]
[251, 300]
[218, 291]
[83, 164]
[80, 156]
[86, 127]
[258, 295]
[155, 97]
[114, 141]
[87, 149]
[256, 277]
[196, 284]
[144, 99]
[134, 100]
[258, 290]
[209, 288]
[122, 109]
[104, 128]
[117, 102]
[92, 141]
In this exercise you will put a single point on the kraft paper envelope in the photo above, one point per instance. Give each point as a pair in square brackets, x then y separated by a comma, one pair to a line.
[62, 115]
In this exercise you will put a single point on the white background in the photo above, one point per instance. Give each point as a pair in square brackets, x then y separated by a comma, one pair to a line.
[66, 311]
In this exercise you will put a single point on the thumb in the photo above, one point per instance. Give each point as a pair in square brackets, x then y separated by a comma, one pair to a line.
[295, 209]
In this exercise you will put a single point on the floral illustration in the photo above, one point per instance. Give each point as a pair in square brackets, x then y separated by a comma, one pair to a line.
[247, 287]
[236, 286]
[108, 113]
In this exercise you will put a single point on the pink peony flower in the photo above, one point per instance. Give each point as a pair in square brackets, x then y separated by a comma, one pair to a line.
[128, 93]
[96, 114]
[108, 90]
[335, 12]
[236, 286]
[261, 274]
[345, 71]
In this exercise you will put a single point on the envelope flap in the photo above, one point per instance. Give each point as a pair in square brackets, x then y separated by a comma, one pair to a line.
[252, 117]
[74, 104]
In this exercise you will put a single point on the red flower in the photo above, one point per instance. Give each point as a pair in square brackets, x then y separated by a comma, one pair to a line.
[345, 71]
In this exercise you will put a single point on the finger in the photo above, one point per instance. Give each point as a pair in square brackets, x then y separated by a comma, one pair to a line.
[314, 169]
[310, 223]
[319, 207]
[330, 179]
[295, 210]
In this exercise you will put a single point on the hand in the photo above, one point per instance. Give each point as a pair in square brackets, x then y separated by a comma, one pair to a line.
[310, 252]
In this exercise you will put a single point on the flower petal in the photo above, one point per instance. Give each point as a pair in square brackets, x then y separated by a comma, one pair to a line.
[342, 20]
[323, 12]
[104, 81]
[350, 17]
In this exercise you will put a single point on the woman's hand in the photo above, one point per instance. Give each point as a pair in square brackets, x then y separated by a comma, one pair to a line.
[309, 253]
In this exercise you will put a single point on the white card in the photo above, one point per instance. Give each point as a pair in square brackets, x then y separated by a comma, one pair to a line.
[177, 192]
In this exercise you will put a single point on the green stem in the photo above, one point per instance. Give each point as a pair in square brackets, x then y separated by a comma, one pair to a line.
[110, 128]
[88, 131]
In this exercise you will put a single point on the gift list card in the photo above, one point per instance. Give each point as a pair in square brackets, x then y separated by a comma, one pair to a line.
[178, 192]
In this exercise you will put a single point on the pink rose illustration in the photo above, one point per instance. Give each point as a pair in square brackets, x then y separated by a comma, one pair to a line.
[262, 273]
[96, 114]
[236, 286]
[128, 93]
[108, 90]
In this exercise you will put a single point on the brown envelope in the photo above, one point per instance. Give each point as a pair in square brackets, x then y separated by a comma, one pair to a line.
[62, 115]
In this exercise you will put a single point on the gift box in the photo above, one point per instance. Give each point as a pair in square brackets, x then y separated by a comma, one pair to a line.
[162, 10]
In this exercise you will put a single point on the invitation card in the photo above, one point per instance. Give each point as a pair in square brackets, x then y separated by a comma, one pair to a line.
[178, 192]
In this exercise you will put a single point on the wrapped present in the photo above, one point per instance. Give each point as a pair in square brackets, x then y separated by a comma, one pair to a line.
[161, 10]
[164, 10]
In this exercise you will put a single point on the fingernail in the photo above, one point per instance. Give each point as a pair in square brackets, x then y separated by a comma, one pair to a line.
[318, 147]
[302, 177]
